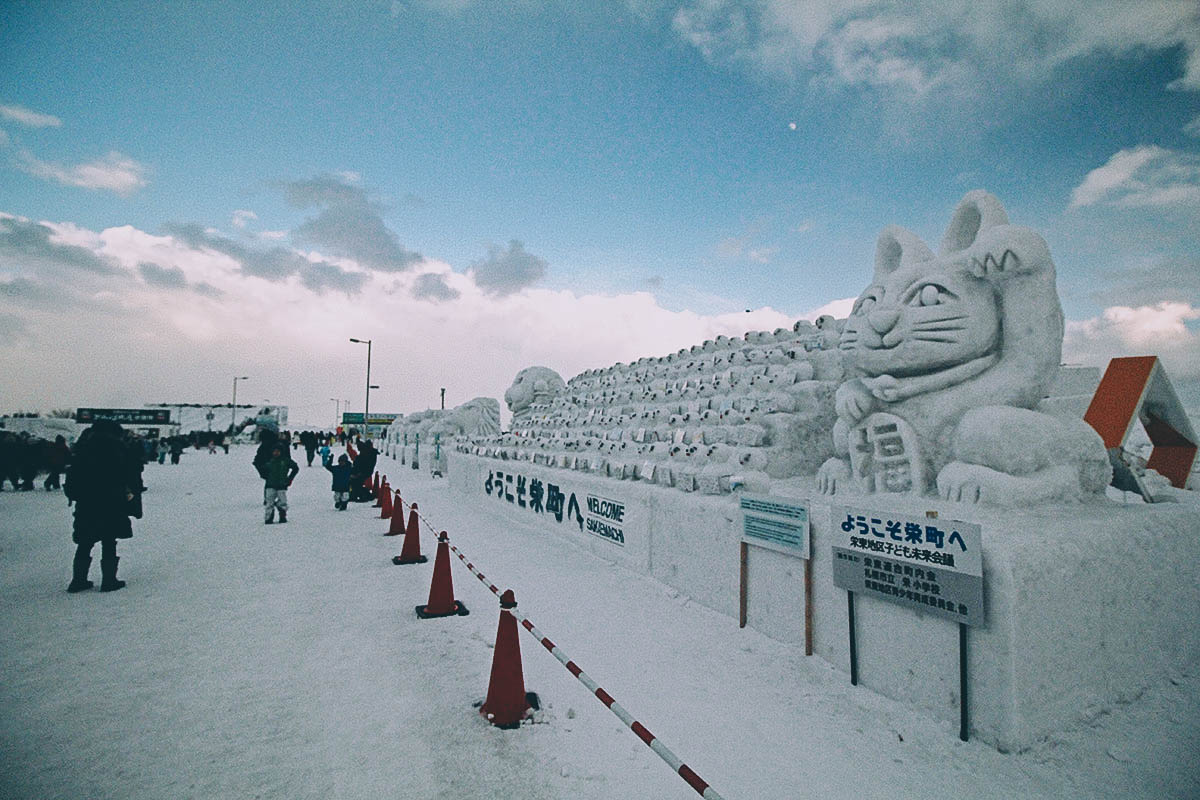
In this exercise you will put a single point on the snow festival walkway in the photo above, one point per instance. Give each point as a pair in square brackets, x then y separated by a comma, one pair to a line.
[285, 661]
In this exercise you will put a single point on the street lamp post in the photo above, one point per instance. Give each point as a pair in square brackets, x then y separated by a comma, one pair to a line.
[337, 412]
[367, 402]
[233, 407]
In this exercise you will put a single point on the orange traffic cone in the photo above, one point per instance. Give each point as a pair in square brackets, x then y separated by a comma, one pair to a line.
[397, 525]
[375, 489]
[410, 553]
[385, 497]
[507, 702]
[441, 591]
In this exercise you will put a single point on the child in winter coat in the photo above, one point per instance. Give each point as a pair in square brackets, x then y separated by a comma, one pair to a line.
[278, 473]
[341, 482]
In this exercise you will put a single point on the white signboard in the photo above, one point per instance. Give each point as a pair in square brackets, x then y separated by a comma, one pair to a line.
[605, 518]
[599, 516]
[776, 523]
[933, 565]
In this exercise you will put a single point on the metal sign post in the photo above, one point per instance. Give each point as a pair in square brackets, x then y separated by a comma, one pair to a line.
[933, 566]
[853, 639]
[964, 722]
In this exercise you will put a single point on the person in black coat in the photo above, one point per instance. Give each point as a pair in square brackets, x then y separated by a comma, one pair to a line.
[29, 456]
[106, 489]
[57, 456]
[266, 443]
[341, 481]
[309, 440]
[364, 465]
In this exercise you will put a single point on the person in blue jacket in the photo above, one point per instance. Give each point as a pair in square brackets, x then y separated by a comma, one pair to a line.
[341, 481]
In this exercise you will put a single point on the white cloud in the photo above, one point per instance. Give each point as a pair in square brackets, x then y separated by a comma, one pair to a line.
[916, 46]
[149, 332]
[839, 309]
[1160, 330]
[1193, 127]
[115, 172]
[31, 119]
[761, 255]
[1140, 177]
[731, 247]
[241, 217]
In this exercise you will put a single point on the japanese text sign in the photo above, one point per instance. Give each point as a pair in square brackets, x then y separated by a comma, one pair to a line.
[599, 516]
[933, 565]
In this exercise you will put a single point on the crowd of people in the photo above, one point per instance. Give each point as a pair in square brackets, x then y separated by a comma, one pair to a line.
[23, 458]
[351, 474]
[104, 479]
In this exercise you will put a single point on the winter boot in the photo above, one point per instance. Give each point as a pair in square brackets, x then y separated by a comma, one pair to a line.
[108, 575]
[79, 580]
[283, 515]
[270, 517]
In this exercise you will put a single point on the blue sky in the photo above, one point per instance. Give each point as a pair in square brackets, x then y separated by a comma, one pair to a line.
[256, 182]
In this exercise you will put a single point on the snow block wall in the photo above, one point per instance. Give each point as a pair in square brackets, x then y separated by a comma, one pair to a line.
[1086, 604]
[685, 541]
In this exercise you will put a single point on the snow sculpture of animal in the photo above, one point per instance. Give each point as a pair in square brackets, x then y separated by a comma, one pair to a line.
[945, 356]
[532, 384]
[477, 417]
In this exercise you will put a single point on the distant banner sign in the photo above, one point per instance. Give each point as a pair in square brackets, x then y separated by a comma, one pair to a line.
[776, 523]
[376, 419]
[598, 516]
[131, 416]
[929, 564]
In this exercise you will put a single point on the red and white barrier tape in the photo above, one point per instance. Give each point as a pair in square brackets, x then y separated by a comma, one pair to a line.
[664, 752]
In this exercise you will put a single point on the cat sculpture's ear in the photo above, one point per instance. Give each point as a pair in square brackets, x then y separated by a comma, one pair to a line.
[981, 240]
[977, 212]
[896, 248]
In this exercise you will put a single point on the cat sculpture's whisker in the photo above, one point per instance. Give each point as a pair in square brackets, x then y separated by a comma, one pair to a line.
[937, 326]
[941, 318]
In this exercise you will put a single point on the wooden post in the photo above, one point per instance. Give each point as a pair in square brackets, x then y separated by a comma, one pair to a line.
[808, 607]
[742, 589]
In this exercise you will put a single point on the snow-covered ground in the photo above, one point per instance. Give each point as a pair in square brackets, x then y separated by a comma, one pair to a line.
[245, 660]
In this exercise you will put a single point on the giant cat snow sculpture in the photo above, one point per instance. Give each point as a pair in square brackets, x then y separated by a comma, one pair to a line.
[945, 356]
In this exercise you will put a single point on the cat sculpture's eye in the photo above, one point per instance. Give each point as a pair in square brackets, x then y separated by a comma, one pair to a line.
[930, 294]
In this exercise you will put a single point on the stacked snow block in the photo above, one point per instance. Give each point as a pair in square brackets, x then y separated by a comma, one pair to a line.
[730, 413]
